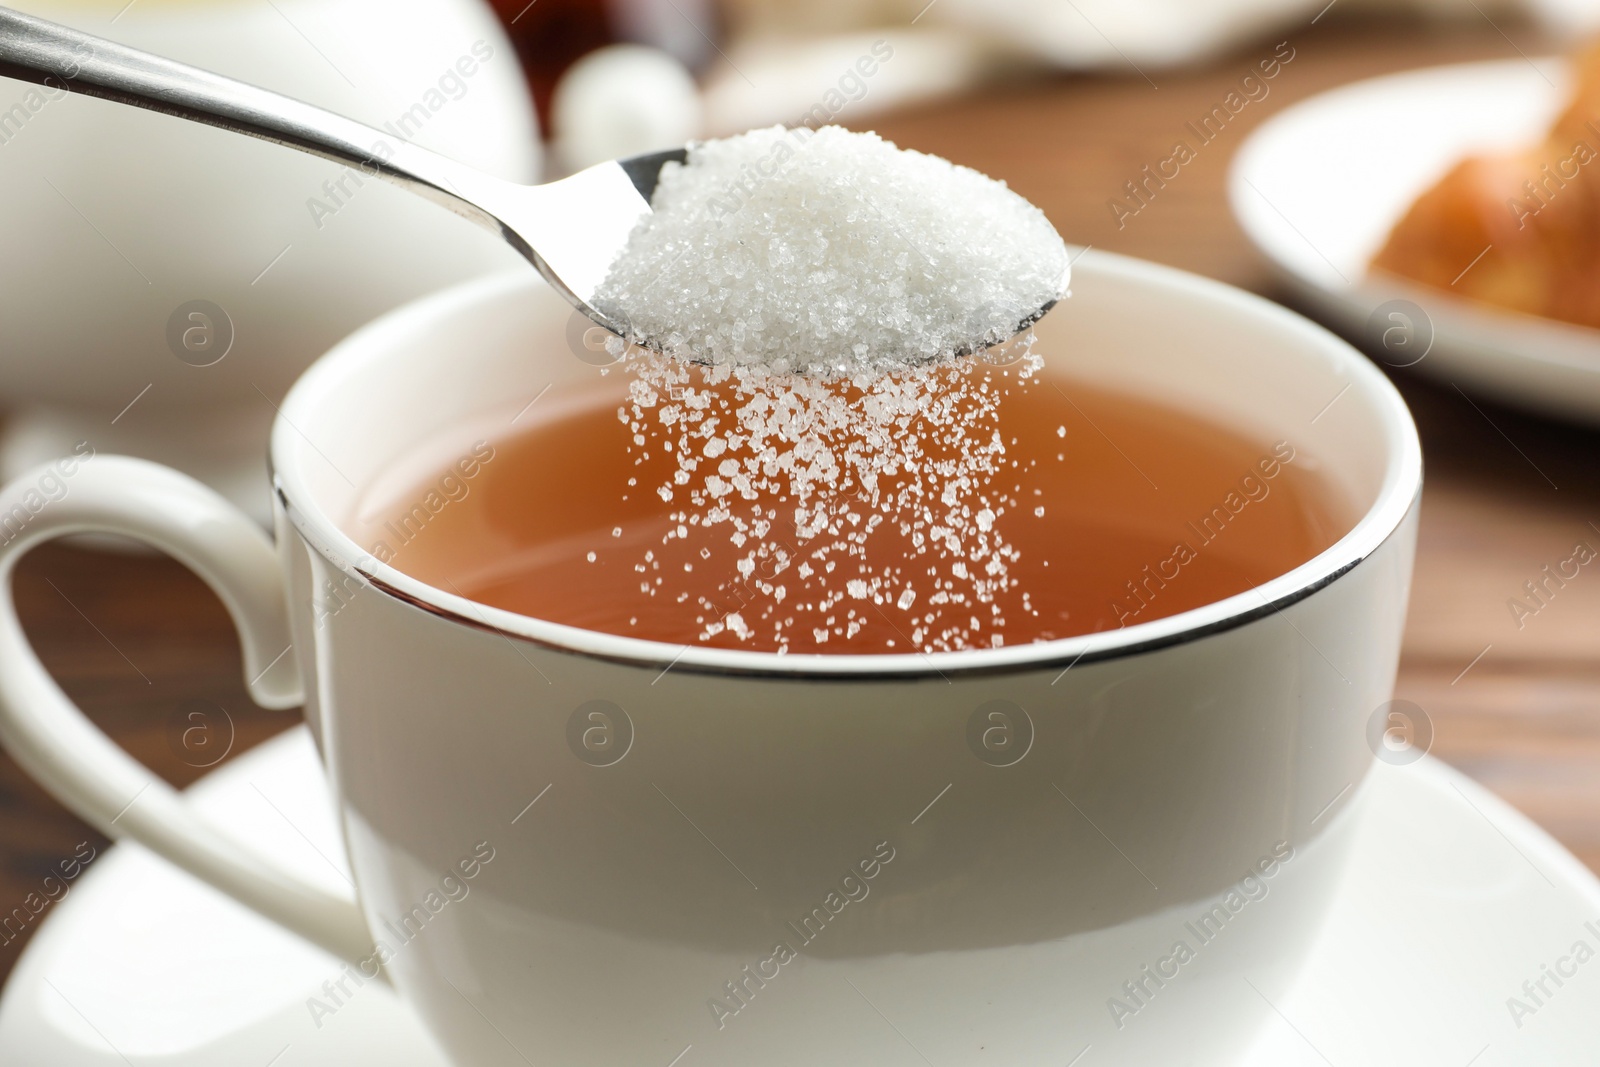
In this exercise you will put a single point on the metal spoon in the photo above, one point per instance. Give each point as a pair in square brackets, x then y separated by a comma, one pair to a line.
[571, 230]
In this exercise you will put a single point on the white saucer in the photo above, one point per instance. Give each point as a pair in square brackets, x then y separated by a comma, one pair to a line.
[1318, 187]
[1453, 901]
[140, 964]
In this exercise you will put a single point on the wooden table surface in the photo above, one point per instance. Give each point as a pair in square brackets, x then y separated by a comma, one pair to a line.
[145, 648]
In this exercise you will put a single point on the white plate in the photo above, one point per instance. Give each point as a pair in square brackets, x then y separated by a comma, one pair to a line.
[1318, 187]
[1452, 902]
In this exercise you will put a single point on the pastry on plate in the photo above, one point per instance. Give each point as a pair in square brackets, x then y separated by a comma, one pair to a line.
[1519, 230]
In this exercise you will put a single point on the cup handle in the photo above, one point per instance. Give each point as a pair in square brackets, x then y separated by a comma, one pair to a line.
[52, 739]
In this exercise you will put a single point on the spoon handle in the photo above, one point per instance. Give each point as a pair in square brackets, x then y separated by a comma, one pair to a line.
[63, 59]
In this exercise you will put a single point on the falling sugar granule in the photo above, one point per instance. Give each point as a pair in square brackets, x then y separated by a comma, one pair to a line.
[798, 474]
[811, 293]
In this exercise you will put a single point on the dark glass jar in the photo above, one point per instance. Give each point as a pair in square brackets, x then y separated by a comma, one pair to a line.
[551, 35]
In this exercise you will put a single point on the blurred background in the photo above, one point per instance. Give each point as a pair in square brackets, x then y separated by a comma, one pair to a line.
[1068, 101]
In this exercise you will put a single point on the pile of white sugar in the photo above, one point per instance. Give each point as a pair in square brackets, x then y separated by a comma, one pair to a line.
[830, 253]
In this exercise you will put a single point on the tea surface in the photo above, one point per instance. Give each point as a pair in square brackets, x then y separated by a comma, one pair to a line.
[1123, 512]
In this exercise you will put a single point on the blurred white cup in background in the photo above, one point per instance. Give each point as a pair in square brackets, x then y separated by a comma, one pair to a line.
[162, 283]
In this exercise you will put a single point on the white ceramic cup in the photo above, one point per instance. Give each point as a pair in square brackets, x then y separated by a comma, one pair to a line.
[573, 847]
